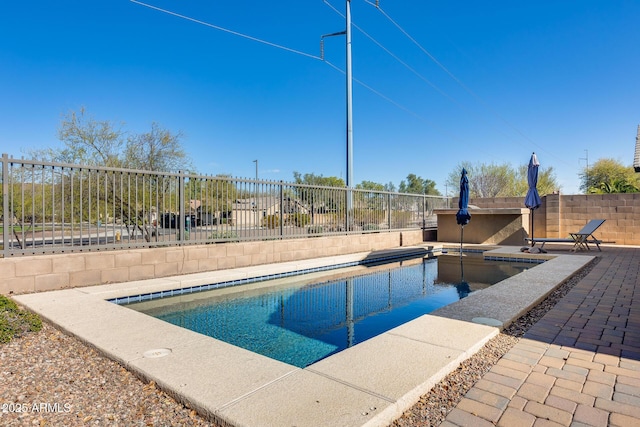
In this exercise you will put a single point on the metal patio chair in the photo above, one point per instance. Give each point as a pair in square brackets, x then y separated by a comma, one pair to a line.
[580, 239]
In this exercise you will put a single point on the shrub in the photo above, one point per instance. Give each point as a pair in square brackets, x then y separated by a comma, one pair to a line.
[224, 235]
[299, 219]
[271, 221]
[14, 322]
[400, 219]
[368, 216]
[315, 229]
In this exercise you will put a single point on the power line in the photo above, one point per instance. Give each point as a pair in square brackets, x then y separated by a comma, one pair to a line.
[458, 81]
[420, 76]
[407, 66]
[391, 101]
[300, 52]
[425, 51]
[394, 56]
[386, 98]
[321, 57]
[226, 30]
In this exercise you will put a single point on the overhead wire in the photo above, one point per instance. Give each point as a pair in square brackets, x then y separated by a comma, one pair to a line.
[321, 58]
[394, 56]
[440, 91]
[425, 51]
[226, 30]
[391, 101]
[380, 94]
[458, 81]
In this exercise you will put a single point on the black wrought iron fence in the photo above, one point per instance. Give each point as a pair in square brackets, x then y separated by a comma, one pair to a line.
[55, 207]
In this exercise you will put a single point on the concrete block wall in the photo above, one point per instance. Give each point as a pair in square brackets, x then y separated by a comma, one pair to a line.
[488, 226]
[561, 214]
[49, 272]
[621, 212]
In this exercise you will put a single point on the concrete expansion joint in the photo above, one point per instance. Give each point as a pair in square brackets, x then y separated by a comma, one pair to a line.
[348, 384]
[417, 340]
[256, 390]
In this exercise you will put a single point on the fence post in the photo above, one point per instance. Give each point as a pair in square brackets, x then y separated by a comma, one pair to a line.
[5, 206]
[424, 211]
[281, 210]
[347, 216]
[389, 211]
[181, 214]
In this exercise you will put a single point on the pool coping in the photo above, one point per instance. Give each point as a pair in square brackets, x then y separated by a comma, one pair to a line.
[370, 384]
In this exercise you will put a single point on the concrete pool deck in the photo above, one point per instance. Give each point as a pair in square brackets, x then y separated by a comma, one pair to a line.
[369, 384]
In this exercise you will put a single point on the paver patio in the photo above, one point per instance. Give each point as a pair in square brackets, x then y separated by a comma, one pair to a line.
[578, 366]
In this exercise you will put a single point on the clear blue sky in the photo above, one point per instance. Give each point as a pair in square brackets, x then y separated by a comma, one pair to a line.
[554, 77]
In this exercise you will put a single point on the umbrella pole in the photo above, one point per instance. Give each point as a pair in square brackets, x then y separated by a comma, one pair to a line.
[461, 234]
[532, 241]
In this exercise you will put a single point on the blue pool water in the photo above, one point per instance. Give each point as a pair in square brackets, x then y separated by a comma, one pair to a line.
[300, 323]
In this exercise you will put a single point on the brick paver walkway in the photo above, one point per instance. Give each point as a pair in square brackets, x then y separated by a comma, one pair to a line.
[578, 366]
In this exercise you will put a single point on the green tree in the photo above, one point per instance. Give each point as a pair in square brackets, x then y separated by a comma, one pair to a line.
[375, 186]
[371, 198]
[313, 179]
[370, 185]
[319, 200]
[417, 185]
[609, 176]
[547, 183]
[617, 186]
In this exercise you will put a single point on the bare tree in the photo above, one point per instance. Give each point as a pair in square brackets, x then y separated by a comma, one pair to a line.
[156, 150]
[492, 180]
[85, 141]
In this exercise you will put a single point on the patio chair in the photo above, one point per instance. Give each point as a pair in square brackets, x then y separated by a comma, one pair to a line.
[580, 239]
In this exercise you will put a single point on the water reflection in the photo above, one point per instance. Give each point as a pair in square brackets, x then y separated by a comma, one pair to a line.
[300, 324]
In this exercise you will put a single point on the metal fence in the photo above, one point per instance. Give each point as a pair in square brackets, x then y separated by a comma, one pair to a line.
[59, 208]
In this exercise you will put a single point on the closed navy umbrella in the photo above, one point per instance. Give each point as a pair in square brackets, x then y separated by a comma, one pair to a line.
[463, 217]
[532, 199]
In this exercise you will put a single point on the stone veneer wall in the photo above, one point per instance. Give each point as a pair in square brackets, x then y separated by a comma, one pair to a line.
[561, 214]
[23, 274]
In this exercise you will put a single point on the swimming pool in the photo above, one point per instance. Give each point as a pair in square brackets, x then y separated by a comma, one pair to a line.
[300, 320]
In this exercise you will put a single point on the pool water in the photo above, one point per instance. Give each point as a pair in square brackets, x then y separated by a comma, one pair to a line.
[301, 320]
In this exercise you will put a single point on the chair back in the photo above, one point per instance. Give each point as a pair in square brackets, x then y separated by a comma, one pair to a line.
[591, 226]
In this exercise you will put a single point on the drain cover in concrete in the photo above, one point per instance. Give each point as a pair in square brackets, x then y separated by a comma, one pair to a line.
[487, 321]
[156, 352]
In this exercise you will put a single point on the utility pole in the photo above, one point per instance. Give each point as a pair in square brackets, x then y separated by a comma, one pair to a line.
[349, 104]
[586, 189]
[349, 76]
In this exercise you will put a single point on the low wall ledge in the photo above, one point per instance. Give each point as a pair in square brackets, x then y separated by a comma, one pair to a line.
[496, 211]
